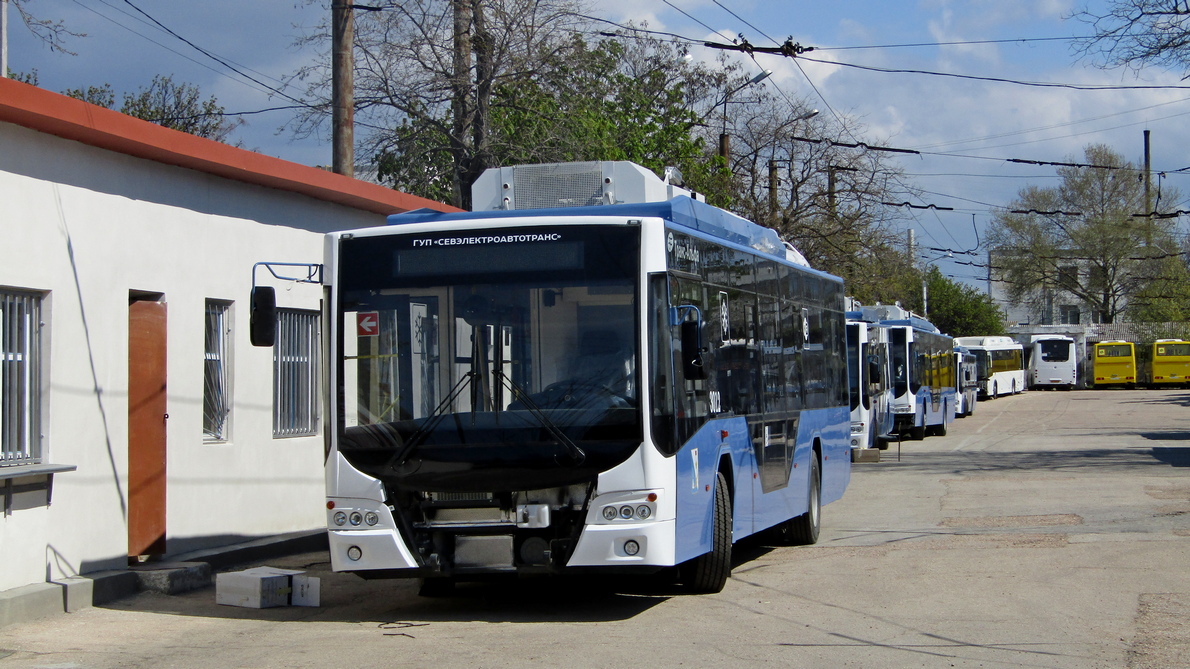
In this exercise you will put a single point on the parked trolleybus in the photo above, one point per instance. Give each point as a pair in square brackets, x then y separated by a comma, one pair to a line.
[1053, 362]
[1000, 362]
[1115, 364]
[922, 363]
[1171, 363]
[966, 382]
[869, 383]
[616, 388]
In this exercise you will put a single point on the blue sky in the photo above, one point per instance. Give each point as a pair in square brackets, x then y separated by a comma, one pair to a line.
[977, 124]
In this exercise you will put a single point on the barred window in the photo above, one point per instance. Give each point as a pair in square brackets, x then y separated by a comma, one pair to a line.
[216, 390]
[20, 377]
[295, 374]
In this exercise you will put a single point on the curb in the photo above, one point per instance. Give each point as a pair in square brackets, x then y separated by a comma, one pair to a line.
[182, 573]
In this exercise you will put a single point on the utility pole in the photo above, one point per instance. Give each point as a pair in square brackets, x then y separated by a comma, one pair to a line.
[460, 107]
[343, 88]
[1148, 195]
[773, 182]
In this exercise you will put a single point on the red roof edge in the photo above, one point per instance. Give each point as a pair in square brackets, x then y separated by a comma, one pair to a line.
[66, 117]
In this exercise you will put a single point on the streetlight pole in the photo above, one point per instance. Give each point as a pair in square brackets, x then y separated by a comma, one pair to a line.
[724, 138]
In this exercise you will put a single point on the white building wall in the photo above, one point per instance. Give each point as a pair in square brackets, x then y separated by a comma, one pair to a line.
[87, 226]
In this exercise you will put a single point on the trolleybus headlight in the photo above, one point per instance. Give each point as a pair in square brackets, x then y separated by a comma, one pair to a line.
[371, 518]
[356, 518]
[643, 512]
[625, 512]
[340, 518]
[355, 553]
[610, 513]
[631, 547]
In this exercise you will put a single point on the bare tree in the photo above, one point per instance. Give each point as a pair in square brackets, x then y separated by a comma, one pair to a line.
[794, 173]
[1135, 33]
[53, 33]
[425, 75]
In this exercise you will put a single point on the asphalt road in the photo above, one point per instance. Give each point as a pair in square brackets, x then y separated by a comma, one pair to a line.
[1049, 529]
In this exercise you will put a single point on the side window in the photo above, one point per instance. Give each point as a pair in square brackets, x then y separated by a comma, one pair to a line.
[20, 377]
[295, 374]
[693, 398]
[662, 365]
[216, 375]
[771, 355]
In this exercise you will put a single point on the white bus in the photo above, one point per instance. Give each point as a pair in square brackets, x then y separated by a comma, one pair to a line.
[922, 367]
[966, 382]
[1001, 364]
[614, 388]
[869, 383]
[1053, 362]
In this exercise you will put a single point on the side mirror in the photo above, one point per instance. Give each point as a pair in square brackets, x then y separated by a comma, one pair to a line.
[262, 320]
[692, 351]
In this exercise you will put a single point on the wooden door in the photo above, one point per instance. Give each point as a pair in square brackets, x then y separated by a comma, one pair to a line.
[146, 428]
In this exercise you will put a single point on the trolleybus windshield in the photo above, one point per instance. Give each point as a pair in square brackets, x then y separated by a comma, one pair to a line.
[489, 359]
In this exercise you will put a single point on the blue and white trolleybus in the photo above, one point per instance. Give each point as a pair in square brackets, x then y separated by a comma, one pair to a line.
[617, 388]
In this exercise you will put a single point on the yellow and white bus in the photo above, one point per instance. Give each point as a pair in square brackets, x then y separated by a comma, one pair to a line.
[1000, 362]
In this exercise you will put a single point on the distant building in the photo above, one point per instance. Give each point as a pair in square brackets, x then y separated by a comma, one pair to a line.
[136, 418]
[1050, 305]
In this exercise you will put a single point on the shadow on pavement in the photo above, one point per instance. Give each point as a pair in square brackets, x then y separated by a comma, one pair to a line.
[392, 604]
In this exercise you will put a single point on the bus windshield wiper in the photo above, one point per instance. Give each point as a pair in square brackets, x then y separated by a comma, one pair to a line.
[576, 455]
[431, 422]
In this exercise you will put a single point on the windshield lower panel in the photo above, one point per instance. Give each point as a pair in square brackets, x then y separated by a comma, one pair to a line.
[490, 361]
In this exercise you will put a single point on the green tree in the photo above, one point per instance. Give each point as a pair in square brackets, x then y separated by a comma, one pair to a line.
[102, 96]
[179, 106]
[605, 101]
[960, 310]
[1083, 239]
[1163, 297]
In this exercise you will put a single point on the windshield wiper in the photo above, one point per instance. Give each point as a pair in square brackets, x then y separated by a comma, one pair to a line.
[576, 455]
[431, 422]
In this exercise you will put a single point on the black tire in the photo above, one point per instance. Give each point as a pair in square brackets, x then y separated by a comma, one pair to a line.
[803, 530]
[918, 432]
[940, 430]
[707, 573]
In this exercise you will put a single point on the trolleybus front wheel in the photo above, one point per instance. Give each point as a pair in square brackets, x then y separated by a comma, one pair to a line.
[708, 572]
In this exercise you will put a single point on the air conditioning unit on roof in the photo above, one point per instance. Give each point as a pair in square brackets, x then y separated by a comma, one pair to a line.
[552, 185]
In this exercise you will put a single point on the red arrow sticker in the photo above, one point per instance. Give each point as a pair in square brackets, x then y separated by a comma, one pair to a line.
[368, 323]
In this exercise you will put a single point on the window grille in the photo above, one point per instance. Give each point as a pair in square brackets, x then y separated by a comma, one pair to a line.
[216, 392]
[295, 374]
[20, 378]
